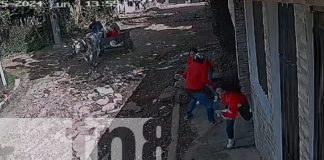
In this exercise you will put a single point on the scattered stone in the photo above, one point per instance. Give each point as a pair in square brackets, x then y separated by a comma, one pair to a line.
[166, 114]
[104, 91]
[118, 96]
[87, 131]
[103, 101]
[180, 84]
[182, 96]
[85, 110]
[78, 145]
[108, 107]
[162, 107]
[96, 113]
[119, 102]
[115, 87]
[78, 124]
[139, 110]
[170, 89]
[95, 98]
[178, 77]
[131, 106]
[58, 73]
[90, 96]
[166, 96]
[37, 96]
[47, 91]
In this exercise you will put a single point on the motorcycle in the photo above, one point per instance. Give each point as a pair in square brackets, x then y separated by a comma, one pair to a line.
[89, 48]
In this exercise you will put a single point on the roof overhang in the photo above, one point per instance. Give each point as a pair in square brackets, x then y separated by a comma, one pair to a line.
[305, 2]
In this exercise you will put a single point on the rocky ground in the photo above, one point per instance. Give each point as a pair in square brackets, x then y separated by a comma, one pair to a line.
[139, 84]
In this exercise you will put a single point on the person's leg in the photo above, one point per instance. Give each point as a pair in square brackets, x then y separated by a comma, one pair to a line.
[230, 128]
[230, 133]
[206, 101]
[191, 105]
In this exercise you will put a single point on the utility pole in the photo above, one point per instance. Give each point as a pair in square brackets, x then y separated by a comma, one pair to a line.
[78, 7]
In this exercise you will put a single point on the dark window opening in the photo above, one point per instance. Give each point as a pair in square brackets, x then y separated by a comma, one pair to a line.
[259, 43]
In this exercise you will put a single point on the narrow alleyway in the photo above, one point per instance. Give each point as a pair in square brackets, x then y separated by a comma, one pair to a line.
[125, 85]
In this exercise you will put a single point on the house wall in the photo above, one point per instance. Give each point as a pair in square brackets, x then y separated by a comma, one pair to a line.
[305, 52]
[231, 10]
[267, 108]
[267, 112]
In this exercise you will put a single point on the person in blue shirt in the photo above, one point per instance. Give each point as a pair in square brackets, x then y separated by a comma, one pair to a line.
[95, 26]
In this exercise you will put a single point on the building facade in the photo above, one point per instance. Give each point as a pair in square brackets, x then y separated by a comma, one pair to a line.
[280, 56]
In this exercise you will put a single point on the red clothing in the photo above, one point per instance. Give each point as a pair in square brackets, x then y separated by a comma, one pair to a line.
[233, 100]
[197, 74]
[113, 33]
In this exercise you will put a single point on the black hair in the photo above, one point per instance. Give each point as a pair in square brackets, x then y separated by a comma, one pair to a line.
[195, 50]
[229, 84]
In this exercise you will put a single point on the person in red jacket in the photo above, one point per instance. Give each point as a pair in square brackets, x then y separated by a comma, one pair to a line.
[233, 99]
[197, 78]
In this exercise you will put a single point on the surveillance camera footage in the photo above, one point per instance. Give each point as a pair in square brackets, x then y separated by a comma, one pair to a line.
[161, 79]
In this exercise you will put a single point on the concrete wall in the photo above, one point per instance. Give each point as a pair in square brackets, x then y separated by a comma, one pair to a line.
[305, 52]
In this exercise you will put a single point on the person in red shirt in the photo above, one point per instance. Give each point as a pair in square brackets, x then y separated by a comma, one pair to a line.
[233, 99]
[113, 30]
[197, 78]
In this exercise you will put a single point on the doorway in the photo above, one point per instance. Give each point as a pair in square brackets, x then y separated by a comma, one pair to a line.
[319, 85]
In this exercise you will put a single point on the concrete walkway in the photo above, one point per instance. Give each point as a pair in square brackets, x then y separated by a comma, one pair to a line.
[211, 141]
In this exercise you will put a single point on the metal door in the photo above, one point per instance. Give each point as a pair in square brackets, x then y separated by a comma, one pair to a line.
[288, 80]
[319, 85]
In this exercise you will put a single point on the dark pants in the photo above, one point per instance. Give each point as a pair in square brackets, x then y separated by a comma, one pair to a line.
[230, 128]
[204, 100]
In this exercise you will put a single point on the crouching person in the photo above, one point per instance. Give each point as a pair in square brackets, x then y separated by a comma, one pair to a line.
[233, 99]
[197, 78]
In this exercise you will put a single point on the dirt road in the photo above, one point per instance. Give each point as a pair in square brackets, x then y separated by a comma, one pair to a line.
[56, 85]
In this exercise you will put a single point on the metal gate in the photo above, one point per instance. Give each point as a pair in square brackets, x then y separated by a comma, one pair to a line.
[288, 80]
[319, 85]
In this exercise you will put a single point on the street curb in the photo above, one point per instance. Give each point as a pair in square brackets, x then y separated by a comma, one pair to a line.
[172, 149]
[13, 92]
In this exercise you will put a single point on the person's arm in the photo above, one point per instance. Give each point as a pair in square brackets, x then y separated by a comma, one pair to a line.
[233, 109]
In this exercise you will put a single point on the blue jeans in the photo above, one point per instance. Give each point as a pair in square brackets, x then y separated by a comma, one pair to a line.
[230, 128]
[204, 100]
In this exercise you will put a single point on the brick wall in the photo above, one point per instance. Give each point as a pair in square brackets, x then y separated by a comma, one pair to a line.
[236, 8]
[241, 47]
[263, 128]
